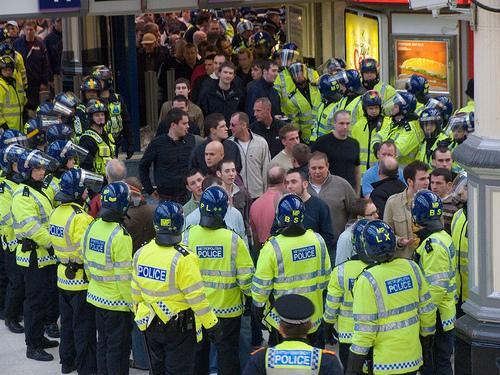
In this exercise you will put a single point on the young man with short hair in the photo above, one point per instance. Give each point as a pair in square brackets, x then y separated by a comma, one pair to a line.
[226, 96]
[264, 88]
[238, 196]
[183, 87]
[397, 211]
[194, 181]
[169, 154]
[289, 136]
[441, 183]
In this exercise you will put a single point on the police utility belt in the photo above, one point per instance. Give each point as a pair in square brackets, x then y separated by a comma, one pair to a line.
[71, 270]
[182, 321]
[28, 245]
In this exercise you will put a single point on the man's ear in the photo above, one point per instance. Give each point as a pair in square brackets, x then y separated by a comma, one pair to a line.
[218, 174]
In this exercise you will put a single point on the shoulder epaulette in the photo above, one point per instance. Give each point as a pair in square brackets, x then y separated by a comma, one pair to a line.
[77, 209]
[47, 180]
[26, 191]
[407, 127]
[2, 187]
[258, 350]
[181, 250]
[326, 351]
[125, 231]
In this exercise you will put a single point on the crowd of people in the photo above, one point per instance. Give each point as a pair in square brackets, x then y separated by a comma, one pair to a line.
[267, 181]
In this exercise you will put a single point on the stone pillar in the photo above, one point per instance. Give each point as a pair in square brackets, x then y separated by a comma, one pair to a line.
[478, 332]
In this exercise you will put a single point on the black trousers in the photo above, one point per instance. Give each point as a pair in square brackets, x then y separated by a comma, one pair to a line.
[15, 289]
[344, 353]
[228, 360]
[171, 351]
[35, 304]
[113, 341]
[4, 280]
[78, 332]
[52, 311]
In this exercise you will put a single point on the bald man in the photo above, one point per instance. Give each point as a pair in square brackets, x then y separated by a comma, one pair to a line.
[389, 184]
[214, 153]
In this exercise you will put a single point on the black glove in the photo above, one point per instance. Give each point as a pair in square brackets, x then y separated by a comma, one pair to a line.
[331, 334]
[427, 343]
[376, 147]
[257, 314]
[214, 333]
[355, 364]
[130, 153]
[4, 126]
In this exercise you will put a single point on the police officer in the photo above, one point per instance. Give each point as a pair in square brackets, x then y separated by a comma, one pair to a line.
[67, 224]
[7, 49]
[118, 125]
[96, 140]
[168, 296]
[370, 77]
[352, 90]
[419, 86]
[107, 252]
[329, 88]
[431, 123]
[444, 105]
[12, 96]
[294, 354]
[391, 308]
[30, 211]
[294, 261]
[67, 154]
[59, 132]
[244, 30]
[36, 134]
[338, 309]
[303, 101]
[66, 103]
[459, 127]
[403, 130]
[90, 89]
[365, 129]
[436, 257]
[227, 270]
[262, 42]
[460, 237]
[14, 291]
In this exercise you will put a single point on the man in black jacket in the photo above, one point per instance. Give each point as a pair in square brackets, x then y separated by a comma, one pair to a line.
[216, 129]
[169, 154]
[266, 125]
[264, 88]
[225, 96]
[54, 46]
[388, 185]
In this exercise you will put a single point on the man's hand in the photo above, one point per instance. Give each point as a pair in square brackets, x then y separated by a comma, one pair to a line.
[130, 153]
[403, 242]
[214, 333]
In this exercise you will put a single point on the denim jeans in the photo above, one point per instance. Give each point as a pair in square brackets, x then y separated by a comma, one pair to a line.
[139, 349]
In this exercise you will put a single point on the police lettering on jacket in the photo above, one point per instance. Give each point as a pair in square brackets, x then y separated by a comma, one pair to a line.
[304, 253]
[96, 245]
[56, 231]
[152, 273]
[292, 358]
[399, 284]
[213, 252]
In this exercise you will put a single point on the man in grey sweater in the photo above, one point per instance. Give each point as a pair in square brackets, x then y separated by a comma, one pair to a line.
[337, 193]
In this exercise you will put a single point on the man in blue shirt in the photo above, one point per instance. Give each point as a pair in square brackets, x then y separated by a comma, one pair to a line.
[387, 148]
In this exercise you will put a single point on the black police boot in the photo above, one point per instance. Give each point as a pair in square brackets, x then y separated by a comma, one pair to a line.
[14, 326]
[52, 330]
[46, 343]
[38, 354]
[67, 369]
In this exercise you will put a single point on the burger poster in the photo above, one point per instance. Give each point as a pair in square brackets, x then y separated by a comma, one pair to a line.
[428, 58]
[361, 39]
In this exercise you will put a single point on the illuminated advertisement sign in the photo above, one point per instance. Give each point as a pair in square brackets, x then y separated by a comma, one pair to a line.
[428, 58]
[361, 39]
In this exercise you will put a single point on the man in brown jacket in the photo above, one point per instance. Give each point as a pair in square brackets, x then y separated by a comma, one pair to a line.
[397, 211]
